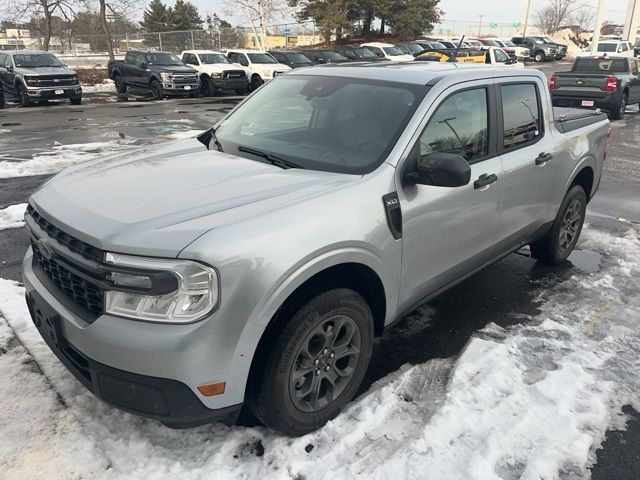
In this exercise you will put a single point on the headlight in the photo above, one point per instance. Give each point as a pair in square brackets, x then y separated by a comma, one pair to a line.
[216, 75]
[32, 82]
[196, 293]
[166, 76]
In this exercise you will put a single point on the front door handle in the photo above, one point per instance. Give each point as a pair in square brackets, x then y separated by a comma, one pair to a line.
[543, 158]
[485, 180]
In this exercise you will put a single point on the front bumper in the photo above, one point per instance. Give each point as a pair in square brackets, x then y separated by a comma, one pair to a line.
[170, 88]
[53, 92]
[148, 369]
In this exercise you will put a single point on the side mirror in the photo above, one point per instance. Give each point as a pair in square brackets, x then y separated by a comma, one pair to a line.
[143, 65]
[511, 61]
[9, 68]
[441, 170]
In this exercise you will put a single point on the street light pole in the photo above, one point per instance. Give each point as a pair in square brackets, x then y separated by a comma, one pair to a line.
[596, 31]
[480, 25]
[526, 18]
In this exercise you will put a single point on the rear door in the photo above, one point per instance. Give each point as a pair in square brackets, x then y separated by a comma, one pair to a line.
[533, 173]
[448, 232]
[634, 81]
[9, 78]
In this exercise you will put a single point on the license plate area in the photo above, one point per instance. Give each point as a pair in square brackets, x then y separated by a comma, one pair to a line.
[588, 103]
[59, 92]
[187, 87]
[47, 322]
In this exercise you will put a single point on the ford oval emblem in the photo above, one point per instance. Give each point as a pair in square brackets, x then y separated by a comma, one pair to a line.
[579, 82]
[44, 249]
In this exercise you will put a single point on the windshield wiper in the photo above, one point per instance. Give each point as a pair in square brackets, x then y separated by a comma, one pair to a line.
[273, 159]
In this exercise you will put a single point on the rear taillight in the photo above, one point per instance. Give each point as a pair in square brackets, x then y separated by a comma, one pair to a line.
[612, 83]
[553, 82]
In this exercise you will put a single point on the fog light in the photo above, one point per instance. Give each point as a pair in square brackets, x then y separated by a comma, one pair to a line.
[211, 389]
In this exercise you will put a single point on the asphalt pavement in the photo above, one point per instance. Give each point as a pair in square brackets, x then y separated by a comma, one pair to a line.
[500, 294]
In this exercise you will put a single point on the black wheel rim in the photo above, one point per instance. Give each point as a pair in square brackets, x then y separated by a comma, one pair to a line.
[325, 363]
[22, 96]
[570, 227]
[156, 91]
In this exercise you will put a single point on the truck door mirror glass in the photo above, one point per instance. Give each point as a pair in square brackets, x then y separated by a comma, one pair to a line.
[143, 65]
[441, 170]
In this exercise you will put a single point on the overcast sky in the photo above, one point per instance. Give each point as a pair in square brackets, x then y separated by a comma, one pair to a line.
[492, 10]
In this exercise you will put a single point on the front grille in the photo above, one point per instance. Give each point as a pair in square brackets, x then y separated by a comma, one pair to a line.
[184, 79]
[234, 74]
[52, 81]
[73, 244]
[81, 291]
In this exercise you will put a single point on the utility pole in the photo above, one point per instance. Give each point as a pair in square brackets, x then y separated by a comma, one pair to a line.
[632, 19]
[526, 18]
[596, 31]
[480, 25]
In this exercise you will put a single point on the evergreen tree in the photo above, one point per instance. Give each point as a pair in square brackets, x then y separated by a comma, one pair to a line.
[156, 18]
[185, 16]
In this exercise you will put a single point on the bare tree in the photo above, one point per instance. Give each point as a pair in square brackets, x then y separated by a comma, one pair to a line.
[45, 9]
[259, 14]
[584, 19]
[554, 15]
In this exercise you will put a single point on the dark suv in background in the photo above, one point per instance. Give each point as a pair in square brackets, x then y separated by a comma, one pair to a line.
[291, 58]
[542, 48]
[29, 76]
[322, 56]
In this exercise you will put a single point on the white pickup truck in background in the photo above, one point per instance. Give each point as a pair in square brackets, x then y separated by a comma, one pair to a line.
[216, 72]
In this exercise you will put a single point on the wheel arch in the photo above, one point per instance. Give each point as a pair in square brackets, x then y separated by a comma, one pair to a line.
[584, 175]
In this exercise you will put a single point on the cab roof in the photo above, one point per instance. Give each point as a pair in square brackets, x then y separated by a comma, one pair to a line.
[419, 73]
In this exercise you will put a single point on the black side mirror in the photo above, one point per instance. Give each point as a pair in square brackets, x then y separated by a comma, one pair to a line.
[9, 68]
[441, 170]
[207, 136]
[143, 65]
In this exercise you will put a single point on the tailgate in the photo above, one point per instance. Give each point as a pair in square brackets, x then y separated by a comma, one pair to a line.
[576, 82]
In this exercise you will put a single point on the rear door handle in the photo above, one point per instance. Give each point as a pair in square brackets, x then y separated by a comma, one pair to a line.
[543, 158]
[485, 180]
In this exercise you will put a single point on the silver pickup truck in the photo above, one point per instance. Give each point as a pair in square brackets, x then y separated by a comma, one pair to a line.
[181, 284]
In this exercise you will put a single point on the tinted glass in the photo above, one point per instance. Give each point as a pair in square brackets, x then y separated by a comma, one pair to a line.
[261, 58]
[32, 60]
[611, 65]
[521, 114]
[296, 57]
[501, 57]
[508, 43]
[491, 43]
[392, 50]
[324, 123]
[607, 47]
[211, 58]
[333, 56]
[162, 58]
[459, 125]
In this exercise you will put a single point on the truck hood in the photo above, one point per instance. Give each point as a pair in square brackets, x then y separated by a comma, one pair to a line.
[45, 71]
[171, 69]
[156, 203]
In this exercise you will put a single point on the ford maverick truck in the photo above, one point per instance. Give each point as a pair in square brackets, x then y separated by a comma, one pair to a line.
[257, 271]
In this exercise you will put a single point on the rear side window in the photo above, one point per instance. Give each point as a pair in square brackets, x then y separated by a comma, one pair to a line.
[521, 115]
[459, 125]
[604, 65]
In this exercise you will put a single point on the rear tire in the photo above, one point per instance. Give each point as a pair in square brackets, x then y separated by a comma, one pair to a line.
[315, 363]
[156, 90]
[559, 242]
[618, 113]
[121, 86]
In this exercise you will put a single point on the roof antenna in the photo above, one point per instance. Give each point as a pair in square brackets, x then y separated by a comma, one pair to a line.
[454, 57]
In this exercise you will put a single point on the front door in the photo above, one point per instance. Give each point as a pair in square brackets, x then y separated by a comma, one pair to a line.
[448, 232]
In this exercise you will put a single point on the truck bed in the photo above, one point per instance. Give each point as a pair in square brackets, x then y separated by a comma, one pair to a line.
[570, 119]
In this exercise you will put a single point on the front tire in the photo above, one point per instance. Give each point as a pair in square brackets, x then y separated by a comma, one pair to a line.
[1, 99]
[156, 90]
[208, 88]
[23, 97]
[76, 101]
[256, 82]
[557, 245]
[316, 363]
[539, 57]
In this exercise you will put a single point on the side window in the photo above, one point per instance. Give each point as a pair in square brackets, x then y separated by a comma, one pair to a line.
[129, 58]
[3, 58]
[501, 57]
[242, 59]
[521, 114]
[460, 125]
[634, 67]
[233, 57]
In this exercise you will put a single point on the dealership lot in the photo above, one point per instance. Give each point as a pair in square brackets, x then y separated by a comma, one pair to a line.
[464, 325]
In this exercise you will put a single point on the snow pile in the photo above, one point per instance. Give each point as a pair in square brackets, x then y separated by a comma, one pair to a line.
[568, 37]
[12, 216]
[61, 156]
[107, 86]
[529, 402]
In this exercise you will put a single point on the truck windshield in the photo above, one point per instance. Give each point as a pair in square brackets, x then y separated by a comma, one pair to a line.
[508, 43]
[333, 56]
[261, 58]
[298, 58]
[491, 43]
[327, 123]
[392, 50]
[161, 58]
[213, 58]
[33, 60]
[607, 65]
[363, 52]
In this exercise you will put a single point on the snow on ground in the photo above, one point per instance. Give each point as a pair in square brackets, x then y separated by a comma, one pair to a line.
[530, 402]
[61, 156]
[12, 216]
[107, 85]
